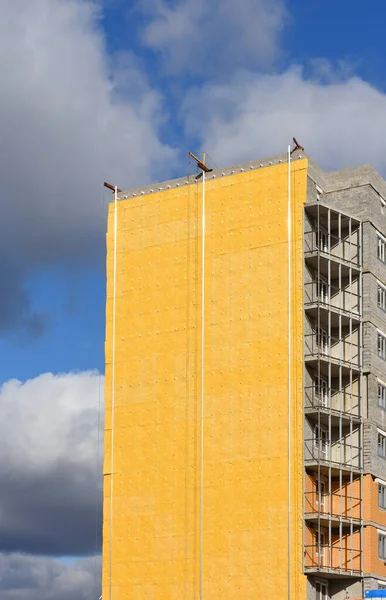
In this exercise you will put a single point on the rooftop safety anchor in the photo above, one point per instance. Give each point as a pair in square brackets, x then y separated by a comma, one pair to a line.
[111, 187]
[297, 146]
[200, 164]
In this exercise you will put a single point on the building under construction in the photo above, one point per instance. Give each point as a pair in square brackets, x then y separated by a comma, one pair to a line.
[245, 418]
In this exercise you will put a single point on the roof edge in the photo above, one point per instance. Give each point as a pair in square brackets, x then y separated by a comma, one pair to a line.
[189, 179]
[332, 181]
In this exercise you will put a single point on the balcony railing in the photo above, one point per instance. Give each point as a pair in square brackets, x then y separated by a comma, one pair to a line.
[341, 248]
[343, 401]
[334, 558]
[335, 505]
[339, 453]
[331, 347]
[335, 297]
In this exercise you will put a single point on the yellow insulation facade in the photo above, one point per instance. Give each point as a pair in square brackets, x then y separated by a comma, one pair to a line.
[156, 482]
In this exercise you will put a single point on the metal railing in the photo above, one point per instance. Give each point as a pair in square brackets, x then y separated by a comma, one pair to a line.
[334, 505]
[333, 339]
[338, 453]
[342, 400]
[345, 249]
[339, 298]
[332, 348]
[332, 558]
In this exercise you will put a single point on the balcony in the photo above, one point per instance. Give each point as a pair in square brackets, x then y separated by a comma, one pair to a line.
[331, 304]
[331, 237]
[324, 262]
[338, 352]
[321, 454]
[323, 403]
[333, 560]
[338, 507]
[332, 393]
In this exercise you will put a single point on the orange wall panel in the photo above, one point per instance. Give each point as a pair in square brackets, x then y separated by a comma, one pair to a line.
[372, 563]
[372, 514]
[156, 452]
[371, 510]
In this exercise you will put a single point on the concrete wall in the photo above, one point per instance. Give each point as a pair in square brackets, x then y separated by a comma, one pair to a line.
[364, 202]
[373, 583]
[358, 193]
[339, 589]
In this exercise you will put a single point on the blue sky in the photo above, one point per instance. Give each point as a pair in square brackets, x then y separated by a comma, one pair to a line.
[99, 90]
[72, 300]
[338, 31]
[74, 304]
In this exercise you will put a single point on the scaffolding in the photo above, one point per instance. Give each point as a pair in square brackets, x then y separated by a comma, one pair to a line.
[333, 423]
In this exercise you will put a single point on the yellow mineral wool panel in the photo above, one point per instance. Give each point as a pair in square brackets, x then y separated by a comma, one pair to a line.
[155, 530]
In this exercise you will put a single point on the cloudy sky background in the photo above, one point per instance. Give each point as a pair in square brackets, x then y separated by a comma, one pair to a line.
[95, 90]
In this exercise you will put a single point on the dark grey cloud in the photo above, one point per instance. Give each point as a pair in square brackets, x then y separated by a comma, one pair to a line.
[52, 513]
[16, 310]
[50, 497]
[66, 124]
[24, 577]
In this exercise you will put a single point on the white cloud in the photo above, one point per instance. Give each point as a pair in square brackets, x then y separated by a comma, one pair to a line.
[64, 127]
[340, 122]
[68, 122]
[51, 481]
[50, 418]
[217, 36]
[25, 577]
